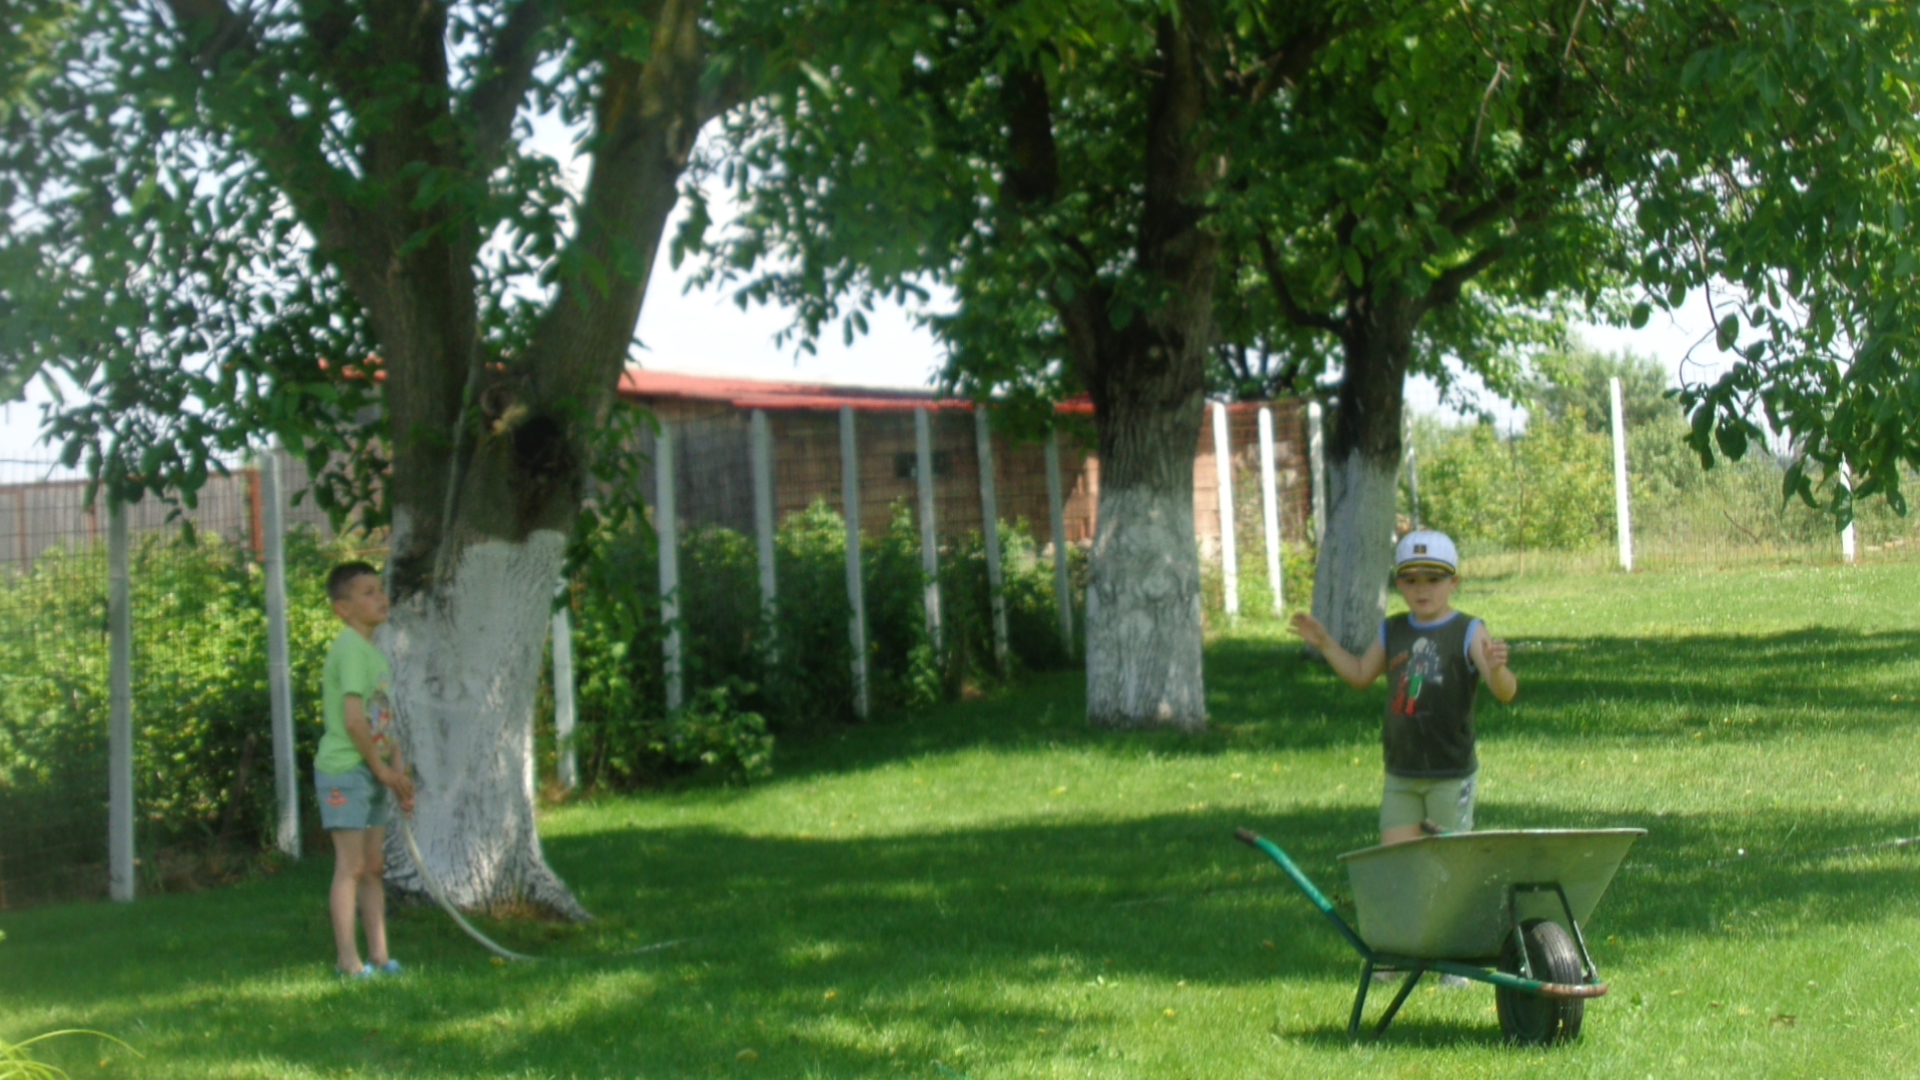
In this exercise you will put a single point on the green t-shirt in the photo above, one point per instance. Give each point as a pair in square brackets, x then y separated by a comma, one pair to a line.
[354, 666]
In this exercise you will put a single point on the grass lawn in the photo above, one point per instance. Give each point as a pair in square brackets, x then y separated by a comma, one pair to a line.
[992, 891]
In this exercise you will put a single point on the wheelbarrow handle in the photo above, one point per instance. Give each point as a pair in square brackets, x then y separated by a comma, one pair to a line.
[1313, 894]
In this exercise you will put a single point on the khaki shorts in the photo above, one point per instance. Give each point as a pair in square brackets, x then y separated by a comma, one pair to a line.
[1448, 802]
[352, 800]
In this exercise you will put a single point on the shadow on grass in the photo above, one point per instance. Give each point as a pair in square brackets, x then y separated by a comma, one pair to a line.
[842, 955]
[839, 954]
[1262, 696]
[1408, 1030]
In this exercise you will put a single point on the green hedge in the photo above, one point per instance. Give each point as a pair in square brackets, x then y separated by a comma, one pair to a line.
[799, 676]
[203, 744]
[203, 766]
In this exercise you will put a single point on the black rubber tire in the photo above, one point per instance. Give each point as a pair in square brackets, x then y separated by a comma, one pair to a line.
[1531, 1020]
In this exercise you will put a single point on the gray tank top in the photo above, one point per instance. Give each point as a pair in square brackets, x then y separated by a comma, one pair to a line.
[1429, 725]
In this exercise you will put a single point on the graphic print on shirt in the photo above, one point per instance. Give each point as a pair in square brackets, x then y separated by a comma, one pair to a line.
[1422, 666]
[380, 719]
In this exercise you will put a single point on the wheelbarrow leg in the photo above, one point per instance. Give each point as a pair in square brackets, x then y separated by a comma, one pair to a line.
[1393, 1007]
[1399, 999]
[1360, 998]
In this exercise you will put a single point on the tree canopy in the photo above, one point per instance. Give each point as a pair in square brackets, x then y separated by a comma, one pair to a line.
[1392, 183]
[323, 220]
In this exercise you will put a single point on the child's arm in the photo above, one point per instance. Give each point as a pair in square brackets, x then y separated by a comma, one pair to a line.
[1358, 672]
[1490, 659]
[399, 762]
[354, 711]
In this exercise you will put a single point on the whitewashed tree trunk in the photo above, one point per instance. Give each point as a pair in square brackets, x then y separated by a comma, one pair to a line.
[466, 658]
[1143, 613]
[1363, 466]
[1356, 556]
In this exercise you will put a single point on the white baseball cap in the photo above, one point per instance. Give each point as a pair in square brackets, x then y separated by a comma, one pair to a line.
[1424, 549]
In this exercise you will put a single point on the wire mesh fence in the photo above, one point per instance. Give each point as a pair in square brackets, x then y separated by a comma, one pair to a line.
[203, 779]
[53, 680]
[203, 772]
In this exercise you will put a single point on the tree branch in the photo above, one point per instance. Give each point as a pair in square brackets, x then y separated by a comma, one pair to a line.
[1283, 296]
[1033, 168]
[1290, 62]
[646, 118]
[1446, 288]
[504, 78]
[288, 149]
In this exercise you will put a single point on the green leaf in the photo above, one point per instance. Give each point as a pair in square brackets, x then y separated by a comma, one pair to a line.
[1727, 333]
[1642, 311]
[817, 77]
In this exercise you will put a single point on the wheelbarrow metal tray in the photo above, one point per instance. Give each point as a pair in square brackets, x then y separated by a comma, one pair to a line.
[1445, 897]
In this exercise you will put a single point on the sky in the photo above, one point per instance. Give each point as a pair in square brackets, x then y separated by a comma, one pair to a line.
[703, 332]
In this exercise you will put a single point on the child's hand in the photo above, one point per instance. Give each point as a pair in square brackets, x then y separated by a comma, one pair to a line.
[1309, 628]
[1496, 655]
[401, 785]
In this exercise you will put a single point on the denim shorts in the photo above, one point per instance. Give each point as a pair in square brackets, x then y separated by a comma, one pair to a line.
[352, 800]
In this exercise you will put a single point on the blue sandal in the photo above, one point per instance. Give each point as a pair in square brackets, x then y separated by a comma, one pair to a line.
[391, 967]
[365, 972]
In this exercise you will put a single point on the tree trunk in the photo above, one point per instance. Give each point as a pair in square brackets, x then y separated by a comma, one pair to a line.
[1147, 377]
[1144, 631]
[489, 452]
[1356, 554]
[466, 658]
[480, 527]
[1350, 575]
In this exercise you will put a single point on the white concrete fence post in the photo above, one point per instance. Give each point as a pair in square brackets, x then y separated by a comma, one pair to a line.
[1413, 474]
[566, 759]
[120, 880]
[856, 594]
[666, 528]
[929, 528]
[990, 530]
[1848, 551]
[1223, 471]
[1270, 512]
[1062, 570]
[761, 450]
[286, 769]
[1317, 461]
[1622, 511]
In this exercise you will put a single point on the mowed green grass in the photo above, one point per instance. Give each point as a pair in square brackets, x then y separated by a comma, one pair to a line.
[993, 891]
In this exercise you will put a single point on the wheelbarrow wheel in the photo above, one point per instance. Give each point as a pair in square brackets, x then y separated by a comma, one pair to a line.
[1529, 1019]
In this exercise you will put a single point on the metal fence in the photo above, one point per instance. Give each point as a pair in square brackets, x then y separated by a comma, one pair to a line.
[164, 726]
[189, 726]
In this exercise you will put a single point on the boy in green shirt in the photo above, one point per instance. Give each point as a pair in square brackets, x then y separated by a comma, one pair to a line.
[358, 770]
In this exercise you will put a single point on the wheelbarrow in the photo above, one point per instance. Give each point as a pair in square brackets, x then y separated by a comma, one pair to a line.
[1503, 908]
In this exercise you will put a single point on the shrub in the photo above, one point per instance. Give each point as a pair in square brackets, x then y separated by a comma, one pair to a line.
[1548, 489]
[795, 671]
[202, 736]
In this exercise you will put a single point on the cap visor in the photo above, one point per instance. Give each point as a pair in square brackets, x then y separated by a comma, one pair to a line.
[1422, 564]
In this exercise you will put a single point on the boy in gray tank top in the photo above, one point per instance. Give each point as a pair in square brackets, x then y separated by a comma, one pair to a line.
[1435, 659]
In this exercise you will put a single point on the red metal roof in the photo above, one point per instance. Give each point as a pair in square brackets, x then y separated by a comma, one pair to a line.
[641, 384]
[756, 394]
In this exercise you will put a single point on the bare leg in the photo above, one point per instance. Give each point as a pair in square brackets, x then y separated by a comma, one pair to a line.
[373, 896]
[1401, 835]
[348, 848]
